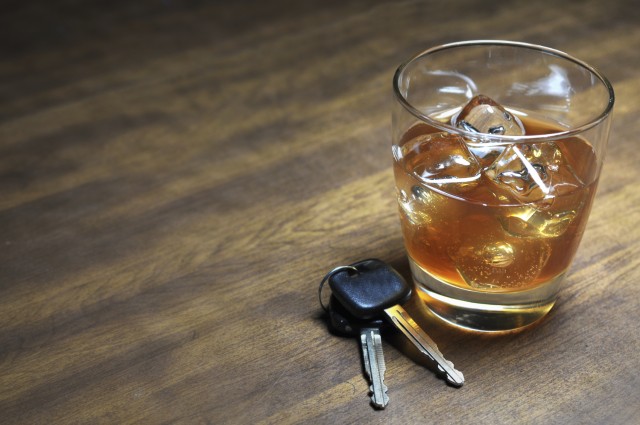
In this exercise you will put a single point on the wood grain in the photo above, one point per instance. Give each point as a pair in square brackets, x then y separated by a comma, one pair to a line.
[177, 176]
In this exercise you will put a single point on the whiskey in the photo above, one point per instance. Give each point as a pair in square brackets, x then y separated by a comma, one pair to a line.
[493, 218]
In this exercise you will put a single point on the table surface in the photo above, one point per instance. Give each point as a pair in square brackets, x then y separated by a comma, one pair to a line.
[177, 177]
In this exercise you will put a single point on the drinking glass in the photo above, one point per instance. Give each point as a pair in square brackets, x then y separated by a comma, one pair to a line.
[497, 150]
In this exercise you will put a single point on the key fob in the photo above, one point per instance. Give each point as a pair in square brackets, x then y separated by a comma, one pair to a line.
[374, 287]
[342, 322]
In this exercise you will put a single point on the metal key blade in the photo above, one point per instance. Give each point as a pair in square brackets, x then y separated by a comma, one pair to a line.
[401, 320]
[371, 344]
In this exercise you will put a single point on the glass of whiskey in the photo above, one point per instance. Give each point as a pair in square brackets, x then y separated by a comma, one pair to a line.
[497, 150]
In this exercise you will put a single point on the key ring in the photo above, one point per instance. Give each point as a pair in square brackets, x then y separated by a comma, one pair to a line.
[327, 277]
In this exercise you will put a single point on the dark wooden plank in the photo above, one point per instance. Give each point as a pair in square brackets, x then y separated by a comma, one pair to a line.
[176, 177]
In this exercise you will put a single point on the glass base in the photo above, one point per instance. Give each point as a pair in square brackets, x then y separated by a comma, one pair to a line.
[485, 311]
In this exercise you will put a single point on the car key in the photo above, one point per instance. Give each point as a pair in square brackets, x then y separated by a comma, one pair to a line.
[370, 343]
[375, 289]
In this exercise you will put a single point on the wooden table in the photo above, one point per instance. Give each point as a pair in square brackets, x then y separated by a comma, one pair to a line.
[176, 177]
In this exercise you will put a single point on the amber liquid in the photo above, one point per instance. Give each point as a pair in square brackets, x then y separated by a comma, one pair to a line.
[479, 236]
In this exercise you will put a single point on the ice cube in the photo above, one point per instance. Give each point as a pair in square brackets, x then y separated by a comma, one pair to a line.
[535, 223]
[444, 158]
[498, 254]
[547, 222]
[421, 208]
[532, 172]
[415, 206]
[486, 155]
[484, 115]
[501, 265]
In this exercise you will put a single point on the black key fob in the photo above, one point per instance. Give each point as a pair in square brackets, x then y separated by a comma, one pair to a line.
[375, 286]
[343, 322]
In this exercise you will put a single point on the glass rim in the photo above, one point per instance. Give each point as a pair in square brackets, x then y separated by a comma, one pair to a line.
[502, 139]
